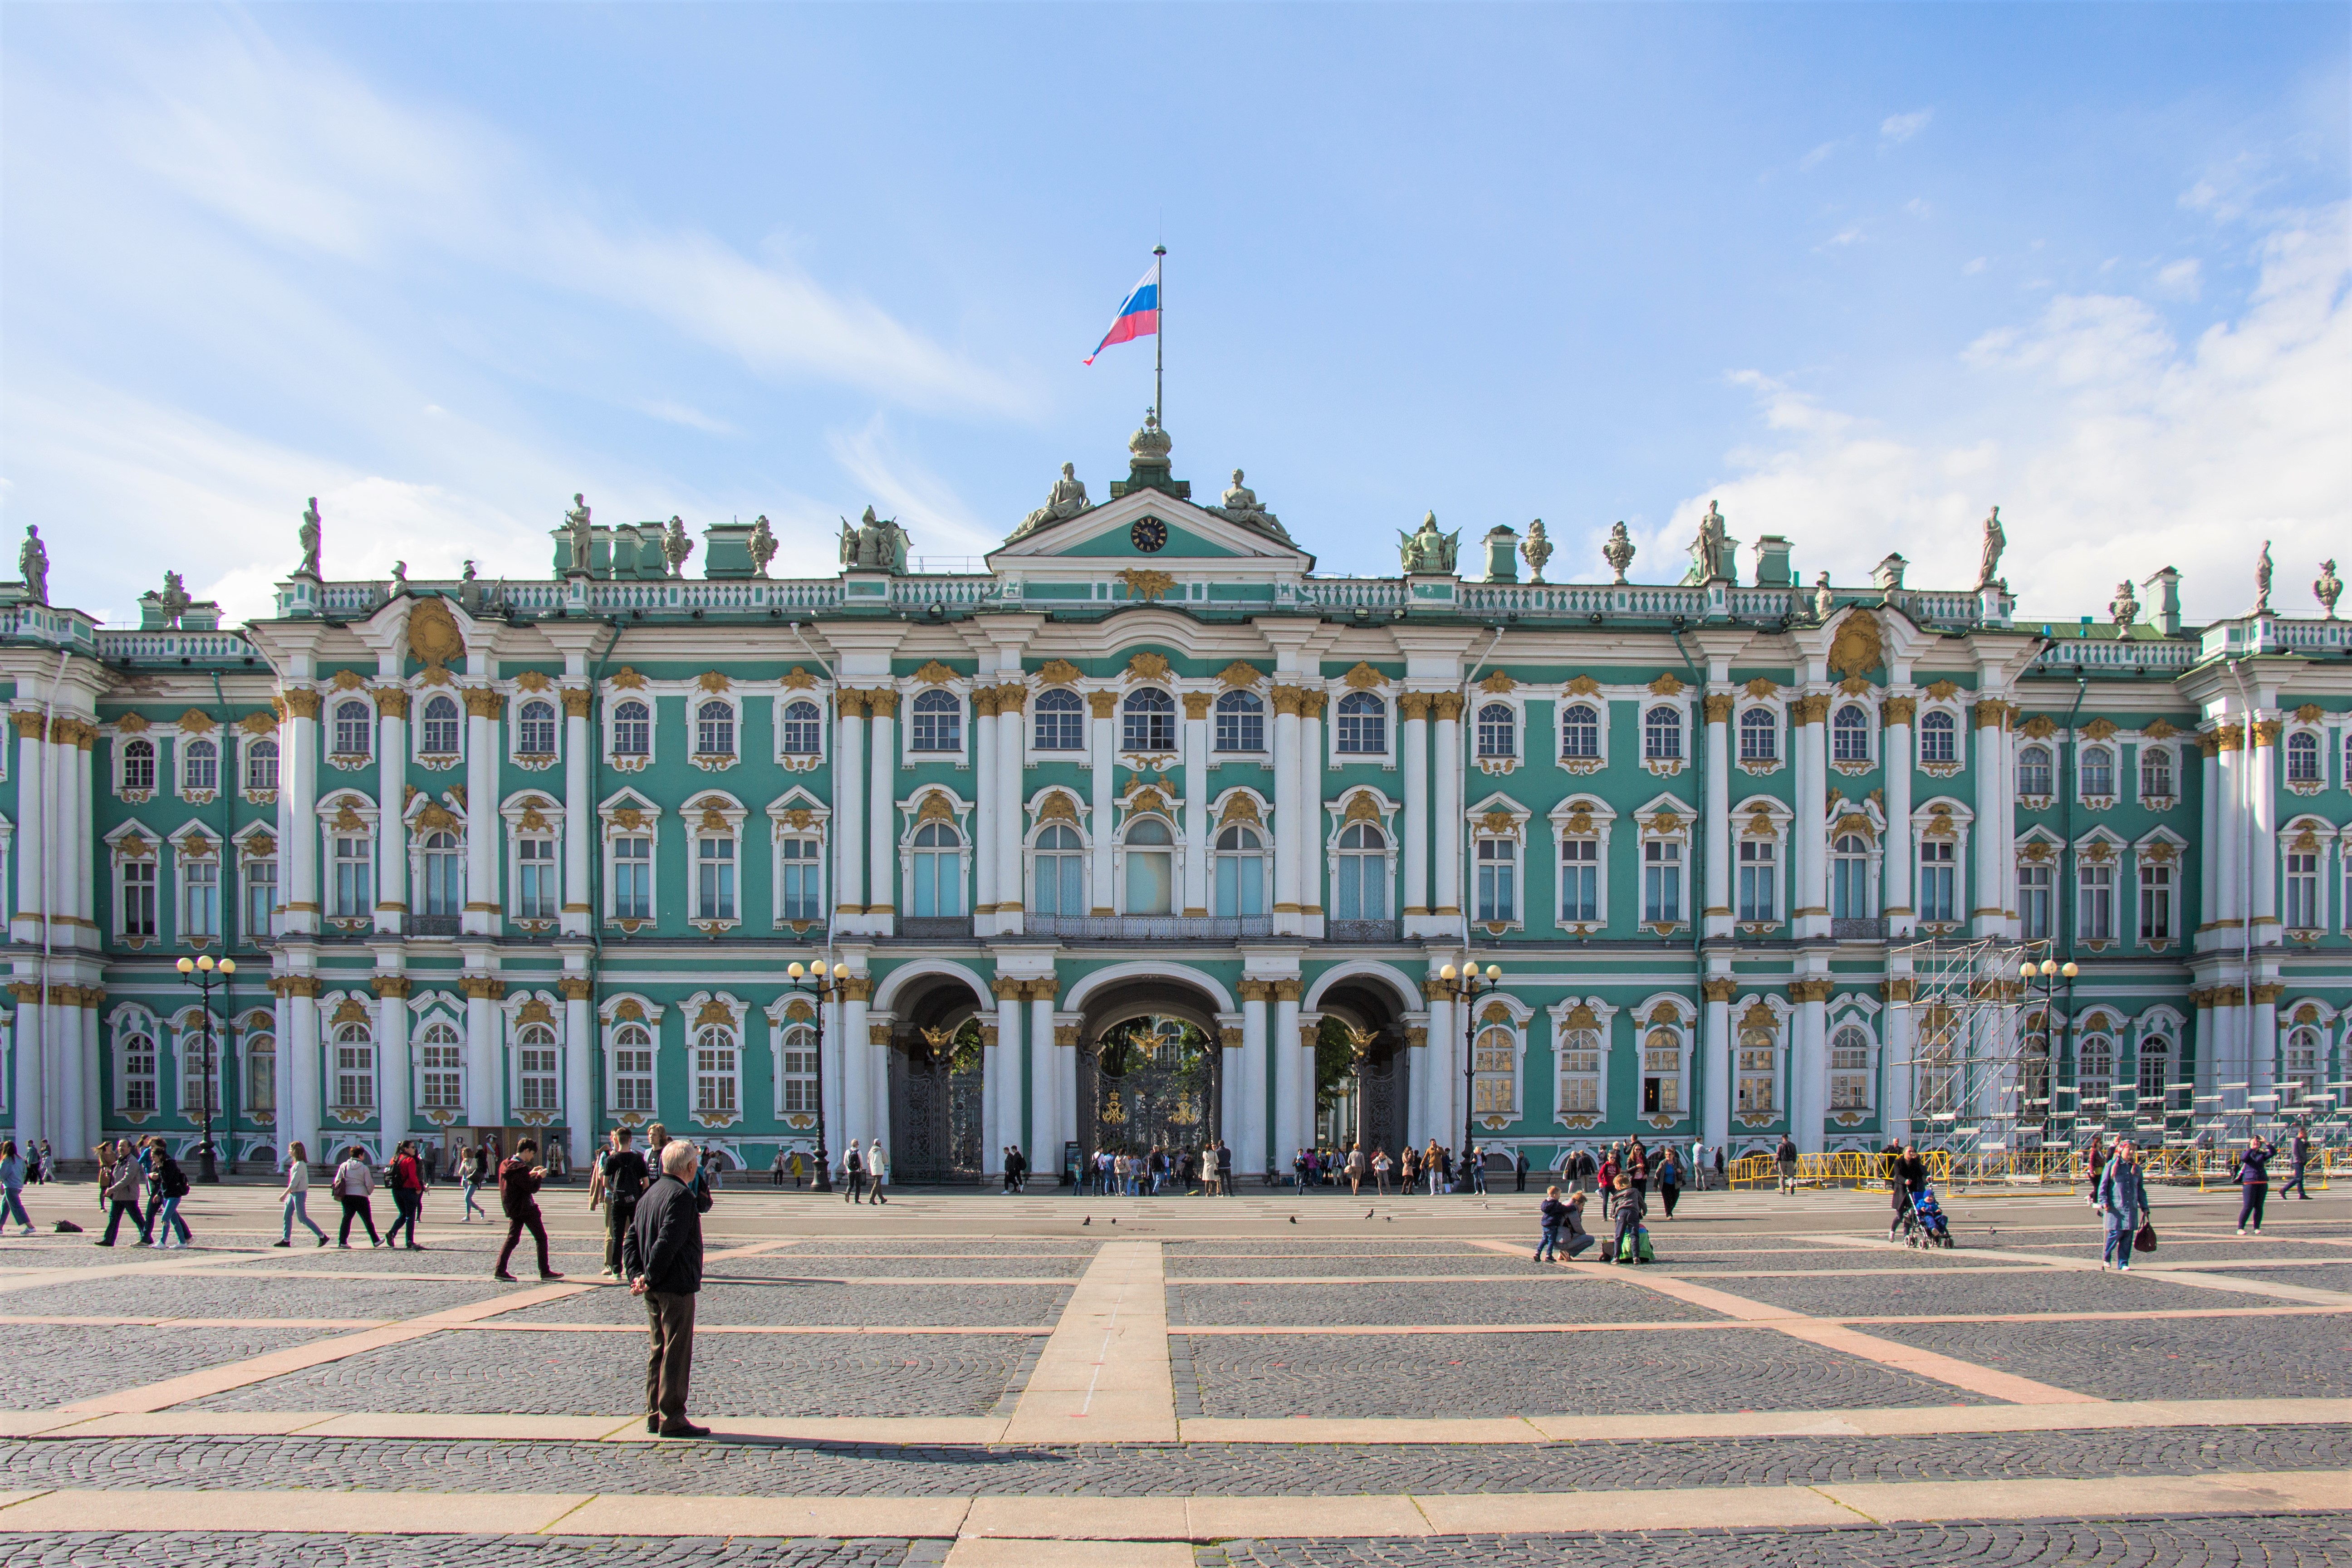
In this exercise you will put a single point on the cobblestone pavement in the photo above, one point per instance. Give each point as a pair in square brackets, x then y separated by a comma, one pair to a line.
[50, 1364]
[1605, 1372]
[1573, 1299]
[1192, 1266]
[258, 1296]
[211, 1548]
[2290, 1540]
[2159, 1358]
[603, 1375]
[821, 1305]
[795, 1264]
[2319, 1277]
[472, 1255]
[1919, 1295]
[1169, 1470]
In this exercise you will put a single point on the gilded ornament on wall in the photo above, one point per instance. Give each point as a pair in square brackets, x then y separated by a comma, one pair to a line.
[434, 639]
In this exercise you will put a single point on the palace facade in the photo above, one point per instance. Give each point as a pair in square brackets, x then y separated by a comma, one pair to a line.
[535, 853]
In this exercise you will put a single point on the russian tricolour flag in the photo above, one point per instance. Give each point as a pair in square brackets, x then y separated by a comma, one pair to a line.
[1139, 315]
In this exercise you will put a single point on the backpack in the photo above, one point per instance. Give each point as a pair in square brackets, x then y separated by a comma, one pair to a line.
[1642, 1245]
[1628, 1247]
[175, 1181]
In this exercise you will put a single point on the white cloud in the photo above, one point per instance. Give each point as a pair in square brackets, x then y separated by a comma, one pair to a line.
[684, 413]
[1817, 157]
[1896, 129]
[2182, 280]
[1974, 267]
[2112, 448]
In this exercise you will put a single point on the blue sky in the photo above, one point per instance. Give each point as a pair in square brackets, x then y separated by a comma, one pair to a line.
[1861, 272]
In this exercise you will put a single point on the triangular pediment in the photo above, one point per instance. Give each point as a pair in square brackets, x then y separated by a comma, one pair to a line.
[1118, 531]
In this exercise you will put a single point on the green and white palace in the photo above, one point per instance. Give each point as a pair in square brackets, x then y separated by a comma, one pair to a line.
[1147, 833]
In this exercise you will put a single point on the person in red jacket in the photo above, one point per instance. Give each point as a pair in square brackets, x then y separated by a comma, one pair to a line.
[406, 1179]
[519, 1181]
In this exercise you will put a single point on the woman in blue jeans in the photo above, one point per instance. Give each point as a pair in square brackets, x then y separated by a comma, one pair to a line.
[2254, 1183]
[2121, 1198]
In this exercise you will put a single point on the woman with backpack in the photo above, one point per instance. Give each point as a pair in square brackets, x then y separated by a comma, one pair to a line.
[406, 1180]
[171, 1185]
[471, 1171]
[354, 1183]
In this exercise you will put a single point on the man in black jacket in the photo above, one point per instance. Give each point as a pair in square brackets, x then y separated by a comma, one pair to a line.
[662, 1255]
[623, 1175]
[519, 1181]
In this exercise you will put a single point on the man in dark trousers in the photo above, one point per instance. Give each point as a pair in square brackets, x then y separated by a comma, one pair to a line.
[519, 1180]
[853, 1166]
[625, 1177]
[662, 1255]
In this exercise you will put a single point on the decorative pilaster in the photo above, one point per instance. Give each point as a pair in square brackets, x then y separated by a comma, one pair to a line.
[856, 1054]
[1102, 742]
[1808, 1064]
[1713, 1055]
[581, 1112]
[393, 1078]
[1721, 834]
[1446, 840]
[1412, 749]
[484, 709]
[486, 1097]
[1294, 1092]
[2262, 767]
[32, 842]
[391, 824]
[848, 825]
[1310, 819]
[579, 818]
[987, 808]
[1001, 1072]
[1045, 1084]
[882, 815]
[1894, 859]
[1289, 821]
[1986, 901]
[298, 828]
[1011, 884]
[1195, 901]
[1250, 1088]
[1809, 899]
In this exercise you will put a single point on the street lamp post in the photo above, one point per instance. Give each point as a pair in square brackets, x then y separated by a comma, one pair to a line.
[1463, 987]
[2049, 970]
[813, 980]
[204, 974]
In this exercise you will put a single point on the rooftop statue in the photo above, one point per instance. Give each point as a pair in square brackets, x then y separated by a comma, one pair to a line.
[1065, 500]
[1427, 551]
[2328, 588]
[1536, 549]
[310, 539]
[1713, 553]
[762, 547]
[1619, 551]
[2263, 581]
[1995, 541]
[1824, 600]
[2124, 609]
[576, 535]
[175, 600]
[33, 564]
[676, 547]
[1242, 507]
[874, 544]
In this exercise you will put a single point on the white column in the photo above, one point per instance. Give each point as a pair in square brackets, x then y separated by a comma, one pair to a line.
[882, 815]
[878, 1084]
[581, 1048]
[1065, 1087]
[1894, 854]
[1985, 901]
[1010, 882]
[484, 708]
[1102, 737]
[1229, 1081]
[1312, 879]
[1444, 1073]
[392, 1076]
[1288, 1116]
[856, 1053]
[834, 1069]
[1196, 803]
[1044, 1085]
[988, 806]
[78, 874]
[298, 778]
[299, 1068]
[1416, 1086]
[1003, 1074]
[1445, 838]
[1895, 1060]
[1809, 1066]
[486, 1085]
[35, 1117]
[579, 816]
[87, 1077]
[1413, 746]
[1249, 1149]
[849, 815]
[2209, 837]
[1717, 914]
[1289, 840]
[1715, 1060]
[390, 827]
[32, 835]
[74, 1090]
[2262, 783]
[1810, 898]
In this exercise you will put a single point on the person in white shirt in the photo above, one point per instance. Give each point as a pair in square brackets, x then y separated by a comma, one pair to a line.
[354, 1181]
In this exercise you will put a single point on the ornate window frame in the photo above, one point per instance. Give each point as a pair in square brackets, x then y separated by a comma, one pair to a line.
[1862, 818]
[2100, 735]
[1853, 1010]
[1571, 1013]
[534, 687]
[1357, 804]
[429, 1010]
[2159, 846]
[1584, 692]
[1678, 699]
[197, 727]
[1265, 716]
[530, 815]
[713, 813]
[2101, 848]
[1390, 719]
[627, 814]
[808, 690]
[1940, 819]
[621, 1010]
[534, 1009]
[1501, 765]
[798, 815]
[1759, 1010]
[253, 732]
[1036, 710]
[1761, 820]
[128, 731]
[1056, 805]
[1873, 740]
[625, 686]
[2312, 835]
[2149, 744]
[1664, 820]
[331, 724]
[1762, 697]
[339, 1011]
[2040, 847]
[788, 1015]
[2298, 728]
[195, 844]
[1502, 1009]
[1666, 1010]
[1581, 819]
[427, 693]
[929, 804]
[133, 843]
[424, 815]
[713, 690]
[959, 690]
[704, 1012]
[2035, 800]
[256, 1025]
[1497, 819]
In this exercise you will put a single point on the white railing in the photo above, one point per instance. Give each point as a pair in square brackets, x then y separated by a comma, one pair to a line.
[954, 593]
[1353, 592]
[2098, 653]
[173, 645]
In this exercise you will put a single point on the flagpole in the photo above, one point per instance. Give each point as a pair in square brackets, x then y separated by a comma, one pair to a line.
[1160, 339]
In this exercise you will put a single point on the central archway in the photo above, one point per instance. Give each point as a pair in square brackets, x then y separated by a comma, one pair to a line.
[937, 1090]
[1151, 1068]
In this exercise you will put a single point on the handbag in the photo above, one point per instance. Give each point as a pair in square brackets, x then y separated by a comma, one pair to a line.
[2146, 1240]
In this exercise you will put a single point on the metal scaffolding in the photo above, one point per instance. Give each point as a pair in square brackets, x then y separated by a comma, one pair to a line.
[1979, 1088]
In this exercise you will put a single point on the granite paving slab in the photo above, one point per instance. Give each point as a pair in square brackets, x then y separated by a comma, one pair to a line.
[253, 1297]
[48, 1365]
[820, 1305]
[798, 1263]
[1573, 1299]
[1273, 1266]
[2159, 1358]
[2315, 1277]
[1931, 1292]
[220, 1549]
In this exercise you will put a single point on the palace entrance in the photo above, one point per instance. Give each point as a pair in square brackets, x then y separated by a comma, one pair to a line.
[1359, 1066]
[1150, 1072]
[937, 1086]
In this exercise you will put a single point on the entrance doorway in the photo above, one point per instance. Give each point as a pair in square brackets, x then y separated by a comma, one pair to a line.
[937, 1088]
[1150, 1071]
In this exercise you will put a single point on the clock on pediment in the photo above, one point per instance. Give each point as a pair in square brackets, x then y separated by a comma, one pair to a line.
[1148, 534]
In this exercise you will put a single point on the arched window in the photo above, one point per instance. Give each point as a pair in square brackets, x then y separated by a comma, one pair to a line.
[1151, 868]
[261, 1072]
[1060, 882]
[2155, 1073]
[714, 729]
[538, 1068]
[1850, 877]
[2299, 1073]
[1495, 1086]
[2156, 772]
[1362, 873]
[1148, 720]
[445, 874]
[1363, 725]
[1662, 735]
[1758, 1069]
[1579, 1072]
[437, 736]
[199, 767]
[633, 1069]
[261, 765]
[139, 765]
[2033, 771]
[2094, 1072]
[441, 1067]
[800, 1069]
[1497, 894]
[355, 1080]
[1580, 732]
[2302, 758]
[1759, 736]
[354, 729]
[2097, 771]
[1662, 1072]
[135, 1083]
[1850, 734]
[937, 871]
[1240, 872]
[1241, 722]
[1499, 731]
[715, 1074]
[1580, 880]
[535, 728]
[938, 722]
[1061, 722]
[1937, 738]
[803, 730]
[633, 729]
[1850, 1069]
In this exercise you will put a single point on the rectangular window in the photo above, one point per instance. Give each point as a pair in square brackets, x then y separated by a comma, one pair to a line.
[1755, 1085]
[139, 898]
[799, 1071]
[1497, 895]
[1662, 1080]
[354, 897]
[633, 879]
[1580, 880]
[138, 1073]
[536, 880]
[261, 1072]
[199, 1089]
[803, 890]
[714, 1081]
[1940, 875]
[200, 885]
[2094, 913]
[444, 1073]
[2155, 901]
[1849, 1077]
[260, 899]
[714, 878]
[1662, 883]
[632, 1079]
[1580, 1073]
[537, 1074]
[1061, 885]
[354, 1077]
[2034, 903]
[1850, 887]
[2302, 901]
[1760, 880]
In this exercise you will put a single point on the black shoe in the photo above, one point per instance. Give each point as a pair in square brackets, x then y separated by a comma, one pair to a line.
[281, 1244]
[653, 1424]
[414, 1247]
[502, 1274]
[686, 1429]
[543, 1273]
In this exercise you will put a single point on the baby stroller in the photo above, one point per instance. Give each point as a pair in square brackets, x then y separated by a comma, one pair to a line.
[1924, 1224]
